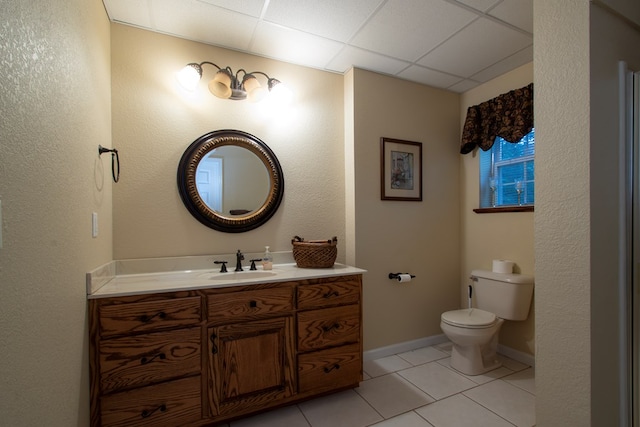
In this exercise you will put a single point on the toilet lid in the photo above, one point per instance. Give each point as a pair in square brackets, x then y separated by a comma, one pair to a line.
[469, 317]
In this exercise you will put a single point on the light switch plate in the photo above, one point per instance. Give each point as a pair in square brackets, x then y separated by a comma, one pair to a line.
[94, 224]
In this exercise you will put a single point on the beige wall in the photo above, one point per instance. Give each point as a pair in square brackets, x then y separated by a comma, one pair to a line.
[563, 380]
[55, 103]
[154, 122]
[485, 237]
[420, 238]
[577, 46]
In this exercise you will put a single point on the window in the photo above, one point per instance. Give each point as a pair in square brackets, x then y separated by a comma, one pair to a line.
[507, 173]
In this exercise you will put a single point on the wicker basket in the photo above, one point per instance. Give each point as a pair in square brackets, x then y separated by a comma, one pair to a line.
[314, 253]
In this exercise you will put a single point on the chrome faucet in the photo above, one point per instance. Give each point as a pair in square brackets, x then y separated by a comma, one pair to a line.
[239, 258]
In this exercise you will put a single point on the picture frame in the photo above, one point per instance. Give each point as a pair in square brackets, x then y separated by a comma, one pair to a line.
[400, 170]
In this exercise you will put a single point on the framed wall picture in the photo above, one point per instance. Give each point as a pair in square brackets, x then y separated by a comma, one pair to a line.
[400, 170]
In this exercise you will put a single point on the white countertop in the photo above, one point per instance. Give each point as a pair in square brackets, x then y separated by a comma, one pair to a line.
[136, 284]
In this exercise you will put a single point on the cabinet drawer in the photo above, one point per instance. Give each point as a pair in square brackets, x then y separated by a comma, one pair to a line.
[328, 327]
[326, 294]
[147, 316]
[249, 304]
[142, 359]
[330, 369]
[175, 403]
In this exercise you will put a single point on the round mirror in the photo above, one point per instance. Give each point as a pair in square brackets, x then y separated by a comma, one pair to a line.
[230, 181]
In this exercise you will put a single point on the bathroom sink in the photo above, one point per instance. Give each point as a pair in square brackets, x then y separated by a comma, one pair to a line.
[237, 275]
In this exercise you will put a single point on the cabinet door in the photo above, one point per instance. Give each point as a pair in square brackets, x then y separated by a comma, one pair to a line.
[251, 365]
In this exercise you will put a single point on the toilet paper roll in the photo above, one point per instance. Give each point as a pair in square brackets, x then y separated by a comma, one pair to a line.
[503, 266]
[404, 278]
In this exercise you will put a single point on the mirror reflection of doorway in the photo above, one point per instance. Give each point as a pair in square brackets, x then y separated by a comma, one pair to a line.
[209, 182]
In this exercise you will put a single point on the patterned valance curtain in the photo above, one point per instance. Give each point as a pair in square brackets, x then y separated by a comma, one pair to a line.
[509, 116]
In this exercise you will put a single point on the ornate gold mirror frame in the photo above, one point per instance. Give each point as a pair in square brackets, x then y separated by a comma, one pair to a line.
[246, 220]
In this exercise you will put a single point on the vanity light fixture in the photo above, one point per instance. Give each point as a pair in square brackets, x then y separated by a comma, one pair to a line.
[227, 85]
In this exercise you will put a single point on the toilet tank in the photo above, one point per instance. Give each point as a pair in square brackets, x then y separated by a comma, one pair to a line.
[508, 296]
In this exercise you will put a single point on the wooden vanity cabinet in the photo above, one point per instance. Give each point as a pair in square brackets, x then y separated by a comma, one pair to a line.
[202, 357]
[146, 360]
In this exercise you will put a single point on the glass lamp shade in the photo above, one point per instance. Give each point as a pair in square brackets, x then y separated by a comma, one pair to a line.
[255, 91]
[189, 76]
[220, 86]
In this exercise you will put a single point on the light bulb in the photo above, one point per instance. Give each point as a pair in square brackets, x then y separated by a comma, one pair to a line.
[189, 77]
[281, 94]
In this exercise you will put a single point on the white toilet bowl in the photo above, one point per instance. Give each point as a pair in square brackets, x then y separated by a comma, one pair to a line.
[474, 334]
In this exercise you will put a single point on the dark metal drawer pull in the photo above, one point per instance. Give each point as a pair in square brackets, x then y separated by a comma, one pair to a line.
[253, 304]
[147, 414]
[146, 318]
[327, 370]
[331, 294]
[160, 356]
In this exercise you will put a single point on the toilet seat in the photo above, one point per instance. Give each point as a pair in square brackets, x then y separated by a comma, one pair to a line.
[471, 318]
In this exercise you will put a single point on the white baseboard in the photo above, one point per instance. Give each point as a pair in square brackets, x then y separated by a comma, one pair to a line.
[390, 350]
[516, 355]
[402, 347]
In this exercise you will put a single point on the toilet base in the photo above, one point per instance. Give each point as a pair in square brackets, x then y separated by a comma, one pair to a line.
[469, 360]
[474, 358]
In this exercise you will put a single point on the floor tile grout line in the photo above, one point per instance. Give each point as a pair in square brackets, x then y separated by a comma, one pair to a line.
[403, 413]
[414, 365]
[372, 407]
[418, 388]
[410, 382]
[304, 415]
[418, 414]
[488, 409]
[451, 368]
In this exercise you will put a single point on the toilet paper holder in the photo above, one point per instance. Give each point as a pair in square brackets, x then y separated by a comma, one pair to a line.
[396, 276]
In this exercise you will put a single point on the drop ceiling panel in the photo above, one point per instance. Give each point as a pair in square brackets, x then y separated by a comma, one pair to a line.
[136, 13]
[334, 19]
[511, 62]
[515, 12]
[407, 29]
[480, 45]
[203, 22]
[480, 5]
[354, 57]
[463, 86]
[429, 77]
[248, 7]
[285, 44]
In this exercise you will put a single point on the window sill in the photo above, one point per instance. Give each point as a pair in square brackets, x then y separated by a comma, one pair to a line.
[501, 209]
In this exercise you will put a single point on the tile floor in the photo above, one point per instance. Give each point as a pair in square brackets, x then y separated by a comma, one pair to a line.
[418, 389]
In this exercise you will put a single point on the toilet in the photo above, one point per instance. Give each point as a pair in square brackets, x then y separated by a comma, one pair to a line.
[474, 331]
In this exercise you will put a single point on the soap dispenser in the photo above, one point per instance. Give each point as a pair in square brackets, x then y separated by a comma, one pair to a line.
[267, 259]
